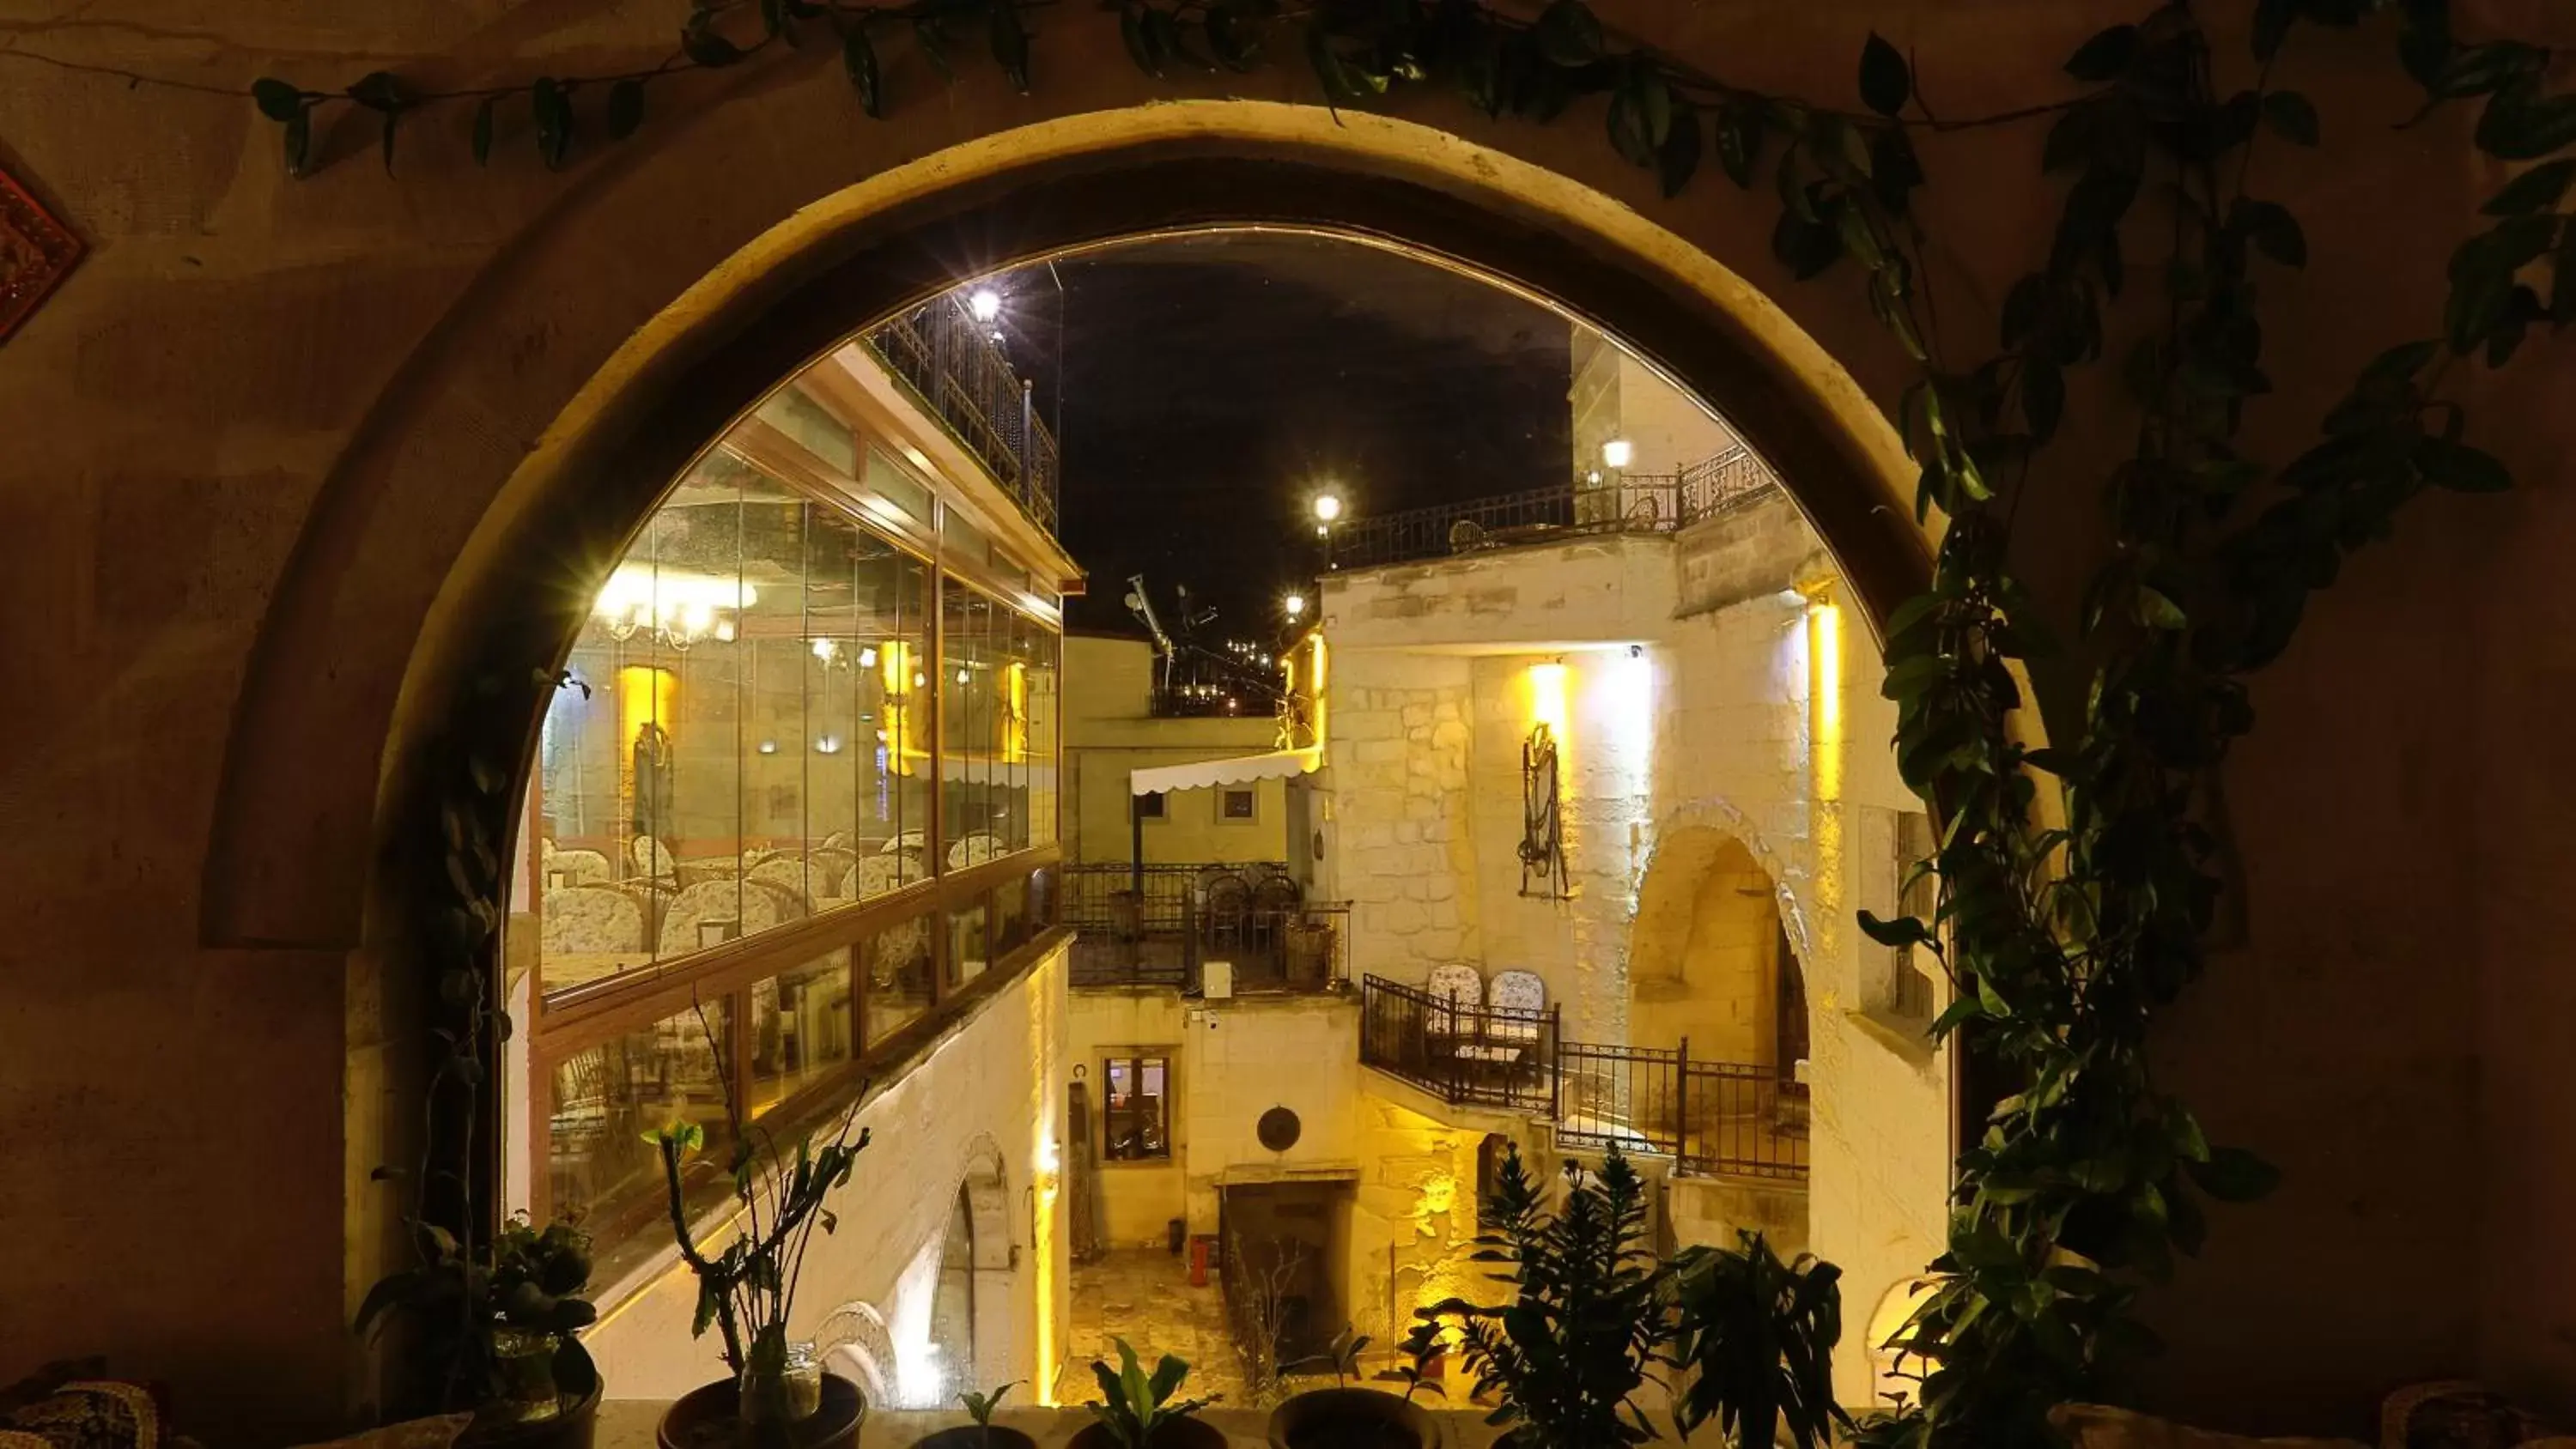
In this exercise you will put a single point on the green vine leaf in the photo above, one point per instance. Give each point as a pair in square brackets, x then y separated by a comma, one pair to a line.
[1739, 140]
[2292, 117]
[482, 135]
[551, 102]
[1140, 45]
[299, 143]
[1678, 158]
[1886, 81]
[2538, 189]
[2459, 467]
[277, 100]
[2105, 56]
[704, 47]
[859, 62]
[1010, 43]
[1568, 34]
[1235, 34]
[625, 108]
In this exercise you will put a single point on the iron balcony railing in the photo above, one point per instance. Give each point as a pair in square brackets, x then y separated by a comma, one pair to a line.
[1160, 925]
[1712, 1117]
[1629, 503]
[961, 375]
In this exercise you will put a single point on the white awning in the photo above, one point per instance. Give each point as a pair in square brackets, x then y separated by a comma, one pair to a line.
[1239, 770]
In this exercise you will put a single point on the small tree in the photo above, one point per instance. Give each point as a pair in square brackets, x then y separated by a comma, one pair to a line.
[1758, 1338]
[1587, 1314]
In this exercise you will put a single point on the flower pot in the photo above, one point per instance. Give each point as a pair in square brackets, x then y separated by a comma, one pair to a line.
[570, 1429]
[967, 1436]
[708, 1418]
[1348, 1418]
[1178, 1434]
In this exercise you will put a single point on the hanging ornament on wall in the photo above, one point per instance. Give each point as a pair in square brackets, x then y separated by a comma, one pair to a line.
[36, 253]
[1542, 841]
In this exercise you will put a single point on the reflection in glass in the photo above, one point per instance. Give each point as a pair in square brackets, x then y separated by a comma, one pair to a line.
[968, 953]
[1010, 924]
[605, 1101]
[898, 969]
[800, 1029]
[1135, 1109]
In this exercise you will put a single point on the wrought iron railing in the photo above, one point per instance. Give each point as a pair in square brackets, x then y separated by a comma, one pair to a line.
[963, 377]
[1713, 1117]
[1629, 503]
[1160, 925]
[1472, 1055]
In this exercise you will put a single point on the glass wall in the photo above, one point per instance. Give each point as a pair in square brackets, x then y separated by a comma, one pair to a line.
[809, 742]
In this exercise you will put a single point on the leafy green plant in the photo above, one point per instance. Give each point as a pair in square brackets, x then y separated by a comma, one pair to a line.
[747, 1290]
[1342, 1355]
[982, 1407]
[1422, 1348]
[525, 1281]
[1132, 1405]
[1581, 1331]
[1757, 1338]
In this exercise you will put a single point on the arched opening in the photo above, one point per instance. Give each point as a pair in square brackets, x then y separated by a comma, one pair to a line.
[664, 778]
[952, 1305]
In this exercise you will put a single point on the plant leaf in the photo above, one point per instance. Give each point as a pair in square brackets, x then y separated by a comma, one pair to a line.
[1886, 81]
[625, 108]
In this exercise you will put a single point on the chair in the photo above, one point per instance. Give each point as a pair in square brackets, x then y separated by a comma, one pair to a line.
[787, 873]
[828, 867]
[651, 858]
[1275, 899]
[1518, 1002]
[910, 842]
[974, 850]
[875, 875]
[1225, 913]
[591, 919]
[575, 868]
[713, 912]
[1454, 989]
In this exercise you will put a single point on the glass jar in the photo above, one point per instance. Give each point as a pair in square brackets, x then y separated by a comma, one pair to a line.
[794, 1395]
[523, 1368]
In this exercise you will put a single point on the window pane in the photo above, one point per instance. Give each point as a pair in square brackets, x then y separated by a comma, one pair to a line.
[1012, 776]
[775, 733]
[800, 1029]
[1043, 764]
[969, 689]
[606, 1100]
[898, 976]
[1010, 916]
[1134, 1109]
[968, 953]
[831, 667]
[891, 632]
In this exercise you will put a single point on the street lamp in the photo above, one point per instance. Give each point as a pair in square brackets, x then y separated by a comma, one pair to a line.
[1294, 606]
[985, 304]
[1328, 508]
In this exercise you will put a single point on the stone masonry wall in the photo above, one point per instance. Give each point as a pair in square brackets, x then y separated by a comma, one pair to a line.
[1400, 843]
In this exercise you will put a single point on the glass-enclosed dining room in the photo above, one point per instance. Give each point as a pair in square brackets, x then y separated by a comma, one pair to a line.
[795, 799]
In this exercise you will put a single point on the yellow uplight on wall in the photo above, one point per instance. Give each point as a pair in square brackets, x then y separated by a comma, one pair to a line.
[1547, 684]
[895, 668]
[1825, 694]
[1015, 721]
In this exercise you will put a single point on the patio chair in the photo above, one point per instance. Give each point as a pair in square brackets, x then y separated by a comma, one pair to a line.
[1226, 912]
[1518, 1002]
[1458, 991]
[1275, 899]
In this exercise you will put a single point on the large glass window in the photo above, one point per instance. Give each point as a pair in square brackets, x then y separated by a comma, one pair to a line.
[606, 1101]
[800, 1029]
[898, 971]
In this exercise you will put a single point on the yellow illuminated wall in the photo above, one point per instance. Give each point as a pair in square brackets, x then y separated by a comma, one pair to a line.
[645, 695]
[1825, 756]
[896, 662]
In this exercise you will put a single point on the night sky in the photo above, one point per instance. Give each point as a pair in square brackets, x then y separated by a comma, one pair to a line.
[1211, 384]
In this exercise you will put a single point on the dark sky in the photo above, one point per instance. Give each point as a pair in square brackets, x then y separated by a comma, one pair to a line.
[1210, 384]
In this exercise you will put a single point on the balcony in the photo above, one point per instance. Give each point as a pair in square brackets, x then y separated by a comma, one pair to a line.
[1159, 925]
[960, 376]
[1629, 503]
[1713, 1118]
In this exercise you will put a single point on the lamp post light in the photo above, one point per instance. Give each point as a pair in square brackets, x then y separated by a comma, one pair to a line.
[1328, 511]
[985, 304]
[1294, 606]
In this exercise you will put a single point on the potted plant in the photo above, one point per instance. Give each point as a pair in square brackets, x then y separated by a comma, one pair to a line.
[1756, 1338]
[777, 1395]
[1138, 1412]
[502, 1316]
[981, 1434]
[1587, 1315]
[1351, 1416]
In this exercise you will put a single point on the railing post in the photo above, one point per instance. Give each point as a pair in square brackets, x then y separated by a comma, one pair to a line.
[1555, 1064]
[1682, 1103]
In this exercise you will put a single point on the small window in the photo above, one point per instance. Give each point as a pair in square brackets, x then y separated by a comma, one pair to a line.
[1150, 807]
[1907, 990]
[1238, 805]
[1137, 1110]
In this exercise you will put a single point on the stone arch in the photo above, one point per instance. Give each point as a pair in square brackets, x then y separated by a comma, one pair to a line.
[502, 470]
[855, 1343]
[1709, 950]
[1722, 817]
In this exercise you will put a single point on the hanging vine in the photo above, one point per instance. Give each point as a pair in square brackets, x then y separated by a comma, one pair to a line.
[2061, 943]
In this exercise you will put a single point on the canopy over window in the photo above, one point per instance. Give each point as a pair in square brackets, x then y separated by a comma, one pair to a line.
[1239, 770]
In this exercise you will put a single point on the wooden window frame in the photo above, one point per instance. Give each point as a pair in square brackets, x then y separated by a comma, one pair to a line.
[1135, 1061]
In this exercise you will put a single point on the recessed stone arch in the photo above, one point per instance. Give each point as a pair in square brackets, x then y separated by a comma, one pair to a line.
[1711, 961]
